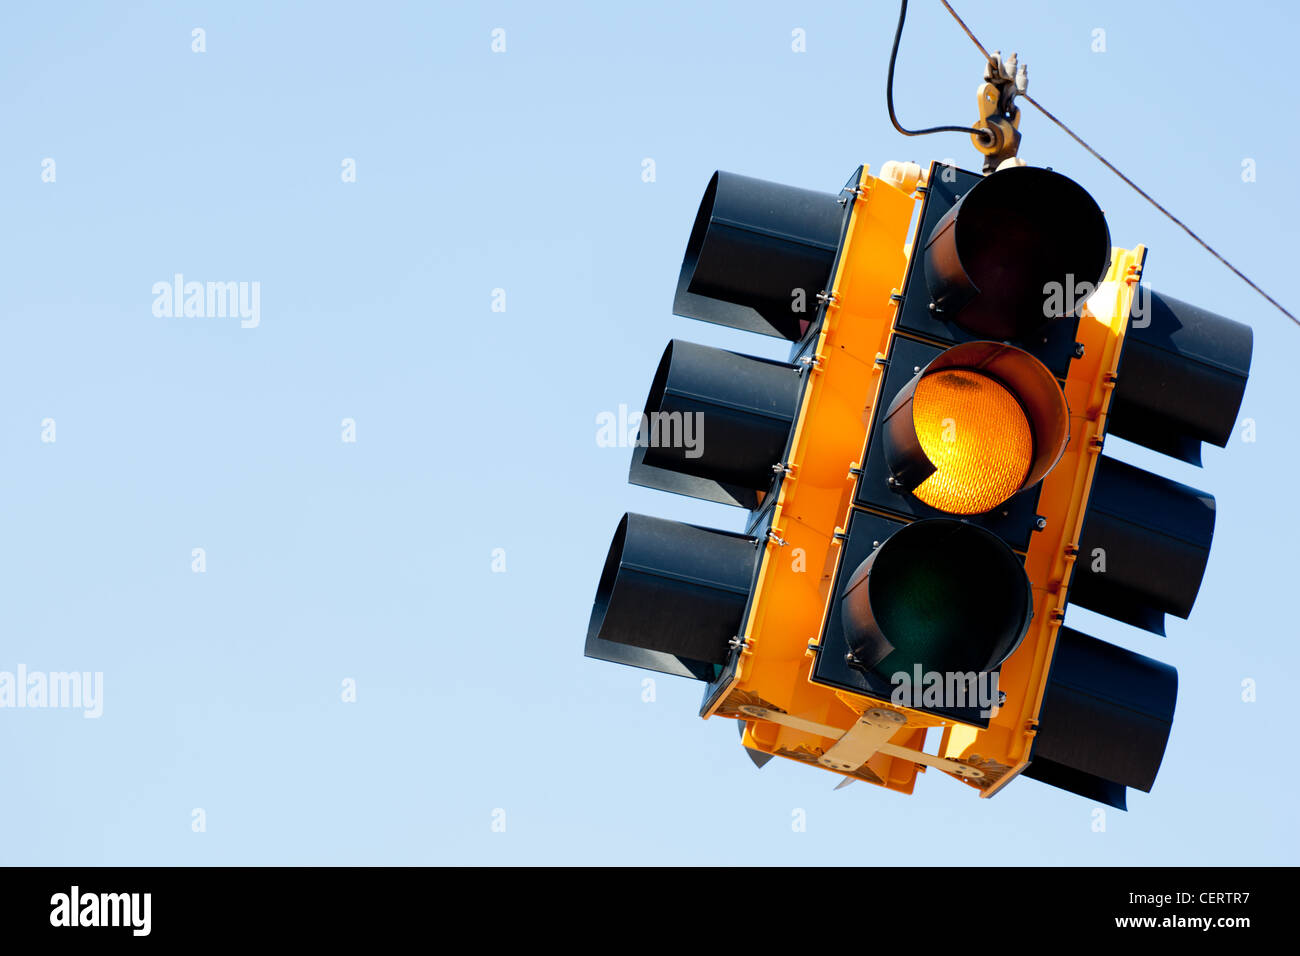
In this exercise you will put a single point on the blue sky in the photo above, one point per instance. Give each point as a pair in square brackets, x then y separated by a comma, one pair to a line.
[371, 561]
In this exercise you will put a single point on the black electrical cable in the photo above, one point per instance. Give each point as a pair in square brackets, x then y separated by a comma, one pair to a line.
[984, 135]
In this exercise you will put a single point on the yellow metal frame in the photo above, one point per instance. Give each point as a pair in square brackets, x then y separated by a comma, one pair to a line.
[800, 559]
[796, 577]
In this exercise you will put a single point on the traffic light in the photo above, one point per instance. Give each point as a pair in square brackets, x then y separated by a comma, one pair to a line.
[934, 591]
[1142, 550]
[924, 480]
[672, 597]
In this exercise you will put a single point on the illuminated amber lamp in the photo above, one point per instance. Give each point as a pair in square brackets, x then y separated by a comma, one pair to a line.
[980, 423]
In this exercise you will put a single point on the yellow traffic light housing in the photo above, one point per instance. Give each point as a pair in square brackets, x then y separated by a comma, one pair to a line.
[922, 475]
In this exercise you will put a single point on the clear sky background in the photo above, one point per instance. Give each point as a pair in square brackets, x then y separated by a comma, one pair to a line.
[476, 430]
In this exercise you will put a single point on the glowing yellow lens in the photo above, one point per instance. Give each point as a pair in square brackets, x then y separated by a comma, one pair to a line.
[976, 435]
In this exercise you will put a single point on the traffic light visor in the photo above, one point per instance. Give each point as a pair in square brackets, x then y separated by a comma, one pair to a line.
[673, 588]
[1023, 247]
[715, 416]
[758, 255]
[948, 596]
[978, 424]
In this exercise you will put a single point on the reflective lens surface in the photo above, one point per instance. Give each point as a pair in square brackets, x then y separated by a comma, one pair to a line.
[940, 594]
[977, 436]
